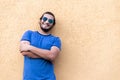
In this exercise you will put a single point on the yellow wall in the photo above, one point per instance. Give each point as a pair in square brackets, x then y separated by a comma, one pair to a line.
[89, 29]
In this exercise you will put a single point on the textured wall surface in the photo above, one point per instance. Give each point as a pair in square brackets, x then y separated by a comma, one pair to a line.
[89, 30]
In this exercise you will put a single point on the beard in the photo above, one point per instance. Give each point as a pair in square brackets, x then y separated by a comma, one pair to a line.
[46, 30]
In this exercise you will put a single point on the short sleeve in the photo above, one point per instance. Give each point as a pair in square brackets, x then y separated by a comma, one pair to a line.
[27, 36]
[57, 43]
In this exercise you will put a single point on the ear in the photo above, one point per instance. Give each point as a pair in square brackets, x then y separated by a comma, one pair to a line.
[39, 22]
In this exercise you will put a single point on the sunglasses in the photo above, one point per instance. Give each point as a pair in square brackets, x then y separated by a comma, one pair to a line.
[49, 20]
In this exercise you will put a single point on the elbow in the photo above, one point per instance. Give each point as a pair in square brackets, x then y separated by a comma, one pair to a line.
[23, 53]
[51, 58]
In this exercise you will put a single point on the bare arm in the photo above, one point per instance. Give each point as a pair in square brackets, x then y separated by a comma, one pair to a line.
[27, 53]
[42, 53]
[46, 54]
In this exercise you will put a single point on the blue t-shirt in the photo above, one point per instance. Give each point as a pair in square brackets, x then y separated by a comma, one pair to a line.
[39, 68]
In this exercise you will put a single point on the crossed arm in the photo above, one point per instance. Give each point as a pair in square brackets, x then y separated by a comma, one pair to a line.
[34, 52]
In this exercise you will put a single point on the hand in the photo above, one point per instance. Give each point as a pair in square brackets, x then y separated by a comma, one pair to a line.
[24, 47]
[24, 53]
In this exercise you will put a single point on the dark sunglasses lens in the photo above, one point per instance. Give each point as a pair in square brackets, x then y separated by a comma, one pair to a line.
[50, 21]
[44, 18]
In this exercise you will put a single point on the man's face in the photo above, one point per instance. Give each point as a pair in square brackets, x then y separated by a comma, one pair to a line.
[46, 23]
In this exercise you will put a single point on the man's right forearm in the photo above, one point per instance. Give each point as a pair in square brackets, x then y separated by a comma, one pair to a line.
[27, 53]
[30, 54]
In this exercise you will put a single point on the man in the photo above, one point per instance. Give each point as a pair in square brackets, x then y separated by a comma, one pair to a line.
[40, 48]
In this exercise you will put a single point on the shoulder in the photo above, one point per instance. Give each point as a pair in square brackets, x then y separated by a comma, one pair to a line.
[30, 31]
[57, 41]
[55, 37]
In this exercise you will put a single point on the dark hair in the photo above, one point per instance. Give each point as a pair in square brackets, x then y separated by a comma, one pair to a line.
[50, 14]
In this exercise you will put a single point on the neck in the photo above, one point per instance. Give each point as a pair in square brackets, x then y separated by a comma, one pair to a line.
[44, 33]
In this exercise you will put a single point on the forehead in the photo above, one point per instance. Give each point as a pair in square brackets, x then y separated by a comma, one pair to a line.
[48, 16]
